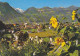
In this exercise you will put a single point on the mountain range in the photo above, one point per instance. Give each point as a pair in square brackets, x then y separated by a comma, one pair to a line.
[9, 14]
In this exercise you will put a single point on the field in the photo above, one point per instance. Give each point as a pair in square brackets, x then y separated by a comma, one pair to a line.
[46, 33]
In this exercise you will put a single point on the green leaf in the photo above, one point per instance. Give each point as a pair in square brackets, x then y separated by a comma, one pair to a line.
[62, 31]
[66, 47]
[76, 32]
[75, 53]
[58, 51]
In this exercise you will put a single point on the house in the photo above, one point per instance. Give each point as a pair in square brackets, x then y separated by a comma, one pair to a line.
[25, 24]
[29, 31]
[40, 10]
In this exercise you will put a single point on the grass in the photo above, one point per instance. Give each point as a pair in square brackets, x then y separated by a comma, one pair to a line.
[46, 33]
[24, 30]
[46, 39]
[8, 35]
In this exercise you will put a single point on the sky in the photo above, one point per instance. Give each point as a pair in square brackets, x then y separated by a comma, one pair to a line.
[25, 4]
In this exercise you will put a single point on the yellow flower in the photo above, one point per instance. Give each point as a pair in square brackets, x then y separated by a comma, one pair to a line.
[63, 43]
[59, 41]
[54, 22]
[74, 12]
[73, 18]
[73, 15]
[52, 18]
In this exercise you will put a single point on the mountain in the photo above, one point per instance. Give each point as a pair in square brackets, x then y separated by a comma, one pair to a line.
[19, 10]
[9, 15]
[32, 14]
[73, 7]
[45, 13]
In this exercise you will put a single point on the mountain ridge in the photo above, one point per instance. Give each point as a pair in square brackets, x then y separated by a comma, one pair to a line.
[8, 14]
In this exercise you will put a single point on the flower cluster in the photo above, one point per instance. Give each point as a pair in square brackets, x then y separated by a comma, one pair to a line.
[54, 22]
[73, 15]
[60, 41]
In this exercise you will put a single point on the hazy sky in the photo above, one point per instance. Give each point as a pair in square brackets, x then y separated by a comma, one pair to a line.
[25, 4]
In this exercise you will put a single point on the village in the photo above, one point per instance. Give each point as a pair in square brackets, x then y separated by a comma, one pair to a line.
[17, 34]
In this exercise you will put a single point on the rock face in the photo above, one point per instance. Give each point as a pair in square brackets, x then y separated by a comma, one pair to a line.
[19, 10]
